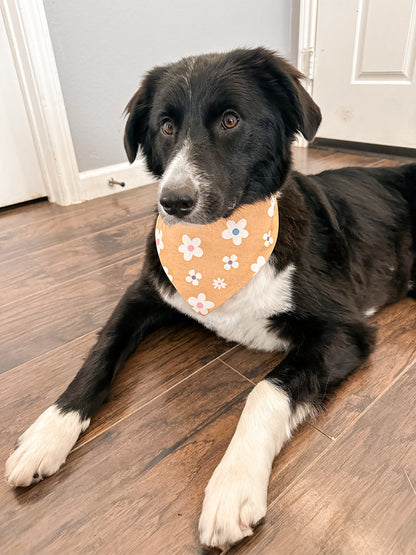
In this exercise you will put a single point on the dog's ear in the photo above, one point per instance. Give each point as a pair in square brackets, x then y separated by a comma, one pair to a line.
[280, 79]
[138, 111]
[309, 115]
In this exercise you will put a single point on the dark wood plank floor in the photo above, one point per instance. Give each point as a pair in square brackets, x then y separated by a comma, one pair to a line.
[134, 482]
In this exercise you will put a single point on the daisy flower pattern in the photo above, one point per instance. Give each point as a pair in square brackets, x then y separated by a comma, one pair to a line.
[158, 239]
[200, 304]
[230, 262]
[167, 273]
[207, 264]
[219, 283]
[261, 261]
[235, 231]
[193, 277]
[190, 247]
[267, 238]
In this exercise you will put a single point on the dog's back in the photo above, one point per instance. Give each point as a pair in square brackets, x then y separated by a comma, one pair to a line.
[363, 231]
[409, 191]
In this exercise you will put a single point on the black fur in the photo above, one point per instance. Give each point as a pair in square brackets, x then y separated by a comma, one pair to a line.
[244, 164]
[350, 233]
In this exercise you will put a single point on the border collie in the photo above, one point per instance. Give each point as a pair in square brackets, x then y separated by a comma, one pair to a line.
[217, 132]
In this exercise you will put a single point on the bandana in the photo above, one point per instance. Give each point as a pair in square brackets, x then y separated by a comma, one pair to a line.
[208, 264]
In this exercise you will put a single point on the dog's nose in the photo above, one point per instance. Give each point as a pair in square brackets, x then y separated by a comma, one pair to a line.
[178, 202]
[177, 205]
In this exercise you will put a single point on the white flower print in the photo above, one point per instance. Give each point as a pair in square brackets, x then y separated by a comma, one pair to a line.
[159, 241]
[167, 273]
[267, 238]
[190, 247]
[230, 262]
[270, 211]
[193, 277]
[235, 231]
[200, 304]
[219, 283]
[261, 261]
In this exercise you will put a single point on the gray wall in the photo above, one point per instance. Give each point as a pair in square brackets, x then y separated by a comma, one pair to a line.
[103, 48]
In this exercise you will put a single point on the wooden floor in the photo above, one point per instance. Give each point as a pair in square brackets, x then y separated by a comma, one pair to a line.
[134, 482]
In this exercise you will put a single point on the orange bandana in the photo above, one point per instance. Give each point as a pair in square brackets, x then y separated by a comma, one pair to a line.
[207, 264]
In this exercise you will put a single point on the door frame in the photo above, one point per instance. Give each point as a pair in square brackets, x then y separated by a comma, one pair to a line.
[30, 42]
[308, 18]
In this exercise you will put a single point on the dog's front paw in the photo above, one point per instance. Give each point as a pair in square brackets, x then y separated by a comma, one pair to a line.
[44, 446]
[235, 501]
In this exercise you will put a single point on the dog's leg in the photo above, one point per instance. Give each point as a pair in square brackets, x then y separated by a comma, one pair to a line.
[236, 495]
[44, 446]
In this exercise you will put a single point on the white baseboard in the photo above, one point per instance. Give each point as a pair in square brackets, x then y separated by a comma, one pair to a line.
[94, 183]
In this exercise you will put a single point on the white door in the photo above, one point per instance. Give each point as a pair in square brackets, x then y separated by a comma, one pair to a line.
[20, 173]
[365, 77]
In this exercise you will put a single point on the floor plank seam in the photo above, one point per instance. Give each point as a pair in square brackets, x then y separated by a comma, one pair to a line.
[53, 287]
[341, 435]
[41, 355]
[410, 482]
[150, 401]
[332, 438]
[77, 209]
[302, 473]
[375, 400]
[69, 241]
[39, 220]
[221, 411]
[239, 373]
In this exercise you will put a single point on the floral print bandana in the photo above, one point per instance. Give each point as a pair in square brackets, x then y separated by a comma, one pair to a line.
[207, 264]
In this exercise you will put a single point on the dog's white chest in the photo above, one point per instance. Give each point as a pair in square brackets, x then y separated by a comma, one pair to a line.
[244, 317]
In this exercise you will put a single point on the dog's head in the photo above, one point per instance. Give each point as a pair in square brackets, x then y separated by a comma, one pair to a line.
[217, 130]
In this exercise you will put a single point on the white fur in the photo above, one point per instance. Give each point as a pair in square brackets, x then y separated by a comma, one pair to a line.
[44, 446]
[236, 495]
[187, 74]
[244, 316]
[370, 311]
[179, 170]
[179, 167]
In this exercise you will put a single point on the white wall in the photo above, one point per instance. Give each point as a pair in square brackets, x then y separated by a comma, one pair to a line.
[103, 48]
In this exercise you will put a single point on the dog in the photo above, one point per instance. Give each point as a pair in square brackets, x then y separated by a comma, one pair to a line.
[216, 130]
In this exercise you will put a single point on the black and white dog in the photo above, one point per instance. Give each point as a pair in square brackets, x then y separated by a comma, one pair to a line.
[217, 130]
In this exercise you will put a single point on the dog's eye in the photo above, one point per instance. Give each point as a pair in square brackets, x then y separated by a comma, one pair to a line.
[229, 120]
[167, 127]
